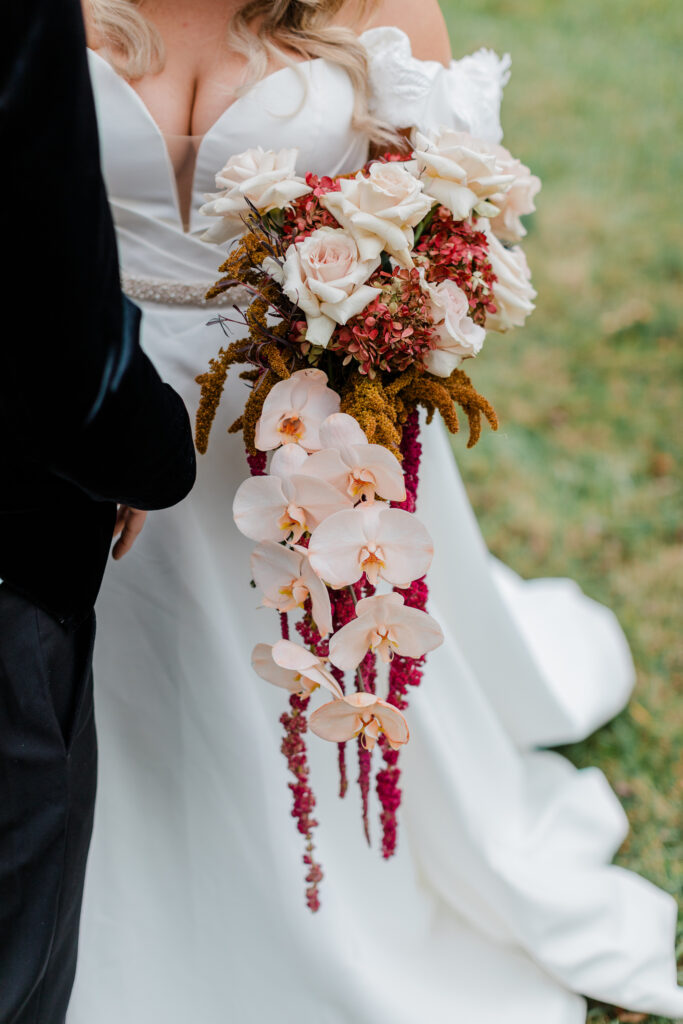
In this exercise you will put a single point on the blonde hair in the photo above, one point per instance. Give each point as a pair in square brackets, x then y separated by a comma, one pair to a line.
[285, 27]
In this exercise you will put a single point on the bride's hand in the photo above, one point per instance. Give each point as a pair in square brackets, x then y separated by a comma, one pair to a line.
[129, 523]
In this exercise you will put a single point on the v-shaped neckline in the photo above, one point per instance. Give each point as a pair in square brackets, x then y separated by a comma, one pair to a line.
[213, 128]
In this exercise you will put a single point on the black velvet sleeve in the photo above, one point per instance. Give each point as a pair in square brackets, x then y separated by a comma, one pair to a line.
[77, 394]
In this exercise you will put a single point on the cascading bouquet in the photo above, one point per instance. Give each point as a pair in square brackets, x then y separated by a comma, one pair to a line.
[367, 293]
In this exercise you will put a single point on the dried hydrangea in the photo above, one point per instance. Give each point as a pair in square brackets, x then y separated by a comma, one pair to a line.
[394, 331]
[455, 250]
[306, 214]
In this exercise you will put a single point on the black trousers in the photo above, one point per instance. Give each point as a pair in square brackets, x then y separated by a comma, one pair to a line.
[48, 769]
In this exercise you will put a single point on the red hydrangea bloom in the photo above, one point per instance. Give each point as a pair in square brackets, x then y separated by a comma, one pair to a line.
[456, 251]
[387, 158]
[306, 215]
[394, 330]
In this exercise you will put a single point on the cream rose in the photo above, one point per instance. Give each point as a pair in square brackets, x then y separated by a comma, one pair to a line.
[518, 200]
[266, 178]
[380, 211]
[458, 335]
[461, 172]
[325, 277]
[513, 292]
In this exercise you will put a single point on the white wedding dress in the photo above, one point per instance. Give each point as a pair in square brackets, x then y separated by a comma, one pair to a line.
[500, 904]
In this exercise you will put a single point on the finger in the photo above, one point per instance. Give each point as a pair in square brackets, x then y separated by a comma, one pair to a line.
[126, 540]
[135, 520]
[121, 513]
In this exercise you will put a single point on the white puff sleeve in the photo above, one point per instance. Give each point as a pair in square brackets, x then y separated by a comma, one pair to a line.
[411, 93]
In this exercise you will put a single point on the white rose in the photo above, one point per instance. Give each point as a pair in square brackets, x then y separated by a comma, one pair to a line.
[380, 211]
[265, 178]
[325, 277]
[458, 335]
[518, 200]
[461, 172]
[513, 292]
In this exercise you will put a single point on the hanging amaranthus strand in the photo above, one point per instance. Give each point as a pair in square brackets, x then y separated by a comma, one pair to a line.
[343, 611]
[411, 450]
[294, 748]
[403, 672]
[257, 463]
[368, 682]
[306, 629]
[341, 747]
[339, 608]
[311, 637]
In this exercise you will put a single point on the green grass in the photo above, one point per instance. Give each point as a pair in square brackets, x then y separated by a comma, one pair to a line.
[583, 478]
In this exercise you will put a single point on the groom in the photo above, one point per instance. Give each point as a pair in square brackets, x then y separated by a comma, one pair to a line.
[85, 423]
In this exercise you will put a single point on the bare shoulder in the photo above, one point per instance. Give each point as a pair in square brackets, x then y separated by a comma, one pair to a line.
[421, 20]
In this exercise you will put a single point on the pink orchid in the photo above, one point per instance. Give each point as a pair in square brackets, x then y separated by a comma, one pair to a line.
[372, 539]
[288, 502]
[355, 467]
[384, 624]
[360, 714]
[293, 668]
[294, 409]
[287, 579]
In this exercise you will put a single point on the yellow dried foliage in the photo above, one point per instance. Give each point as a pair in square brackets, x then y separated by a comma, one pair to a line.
[212, 383]
[381, 406]
[241, 267]
[252, 410]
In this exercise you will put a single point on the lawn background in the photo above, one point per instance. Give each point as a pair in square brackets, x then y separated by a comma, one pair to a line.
[583, 478]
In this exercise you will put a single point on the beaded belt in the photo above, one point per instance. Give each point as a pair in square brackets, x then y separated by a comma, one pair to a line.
[174, 293]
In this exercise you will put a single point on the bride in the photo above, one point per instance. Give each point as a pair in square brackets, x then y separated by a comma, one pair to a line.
[500, 904]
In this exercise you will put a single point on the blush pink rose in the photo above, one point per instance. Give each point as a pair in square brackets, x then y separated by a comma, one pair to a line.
[461, 172]
[517, 201]
[513, 292]
[381, 210]
[265, 178]
[458, 337]
[325, 276]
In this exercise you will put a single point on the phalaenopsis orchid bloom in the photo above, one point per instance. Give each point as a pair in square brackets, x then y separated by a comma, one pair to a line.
[286, 580]
[384, 624]
[292, 667]
[288, 502]
[370, 292]
[294, 409]
[358, 469]
[374, 539]
[360, 714]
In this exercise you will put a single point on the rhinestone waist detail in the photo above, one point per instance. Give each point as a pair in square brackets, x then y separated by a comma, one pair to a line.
[175, 293]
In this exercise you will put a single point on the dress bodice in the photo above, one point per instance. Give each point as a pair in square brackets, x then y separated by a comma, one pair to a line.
[309, 106]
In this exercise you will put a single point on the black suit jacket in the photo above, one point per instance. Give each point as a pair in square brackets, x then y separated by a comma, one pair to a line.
[85, 421]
